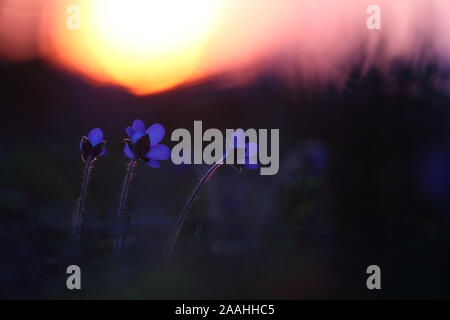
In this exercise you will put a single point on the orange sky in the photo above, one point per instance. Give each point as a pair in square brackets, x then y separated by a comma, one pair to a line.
[148, 46]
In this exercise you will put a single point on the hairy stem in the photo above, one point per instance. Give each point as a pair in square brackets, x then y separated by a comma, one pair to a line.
[119, 239]
[176, 230]
[78, 219]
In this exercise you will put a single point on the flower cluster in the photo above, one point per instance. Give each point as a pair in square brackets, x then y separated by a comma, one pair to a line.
[144, 144]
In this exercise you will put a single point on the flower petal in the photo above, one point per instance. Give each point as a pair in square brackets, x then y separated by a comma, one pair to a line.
[127, 151]
[252, 166]
[159, 152]
[156, 133]
[95, 136]
[139, 126]
[135, 137]
[154, 163]
[137, 131]
[102, 153]
[129, 131]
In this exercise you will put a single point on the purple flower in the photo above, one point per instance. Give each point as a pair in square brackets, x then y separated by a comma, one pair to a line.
[93, 145]
[144, 144]
[250, 151]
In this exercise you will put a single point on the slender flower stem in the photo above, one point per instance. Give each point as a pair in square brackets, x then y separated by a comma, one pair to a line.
[78, 219]
[176, 230]
[120, 215]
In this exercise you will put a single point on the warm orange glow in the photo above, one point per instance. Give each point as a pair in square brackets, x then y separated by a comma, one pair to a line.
[144, 45]
[153, 45]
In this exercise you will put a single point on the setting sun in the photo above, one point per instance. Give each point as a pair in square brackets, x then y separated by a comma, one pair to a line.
[147, 46]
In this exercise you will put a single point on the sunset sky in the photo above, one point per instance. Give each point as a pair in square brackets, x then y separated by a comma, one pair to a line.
[149, 46]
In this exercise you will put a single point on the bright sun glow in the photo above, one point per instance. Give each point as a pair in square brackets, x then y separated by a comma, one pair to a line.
[146, 45]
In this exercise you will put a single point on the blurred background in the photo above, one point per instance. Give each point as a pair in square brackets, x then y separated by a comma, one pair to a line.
[364, 119]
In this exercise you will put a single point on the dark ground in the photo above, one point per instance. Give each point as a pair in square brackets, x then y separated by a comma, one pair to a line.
[364, 179]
